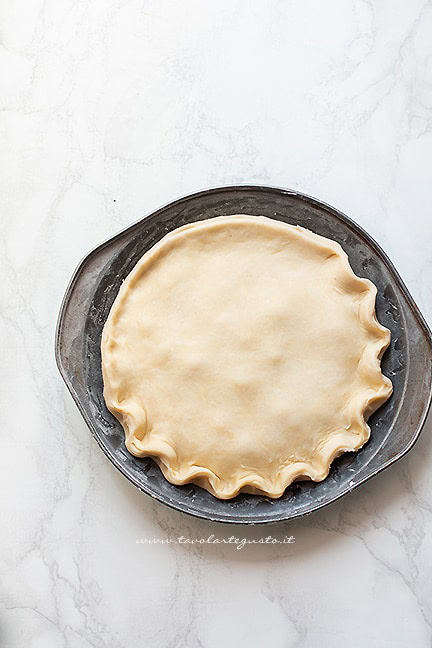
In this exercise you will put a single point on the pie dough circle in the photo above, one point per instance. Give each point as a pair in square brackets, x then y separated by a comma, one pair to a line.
[243, 353]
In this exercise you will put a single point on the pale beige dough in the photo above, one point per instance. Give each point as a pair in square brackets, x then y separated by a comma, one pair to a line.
[242, 354]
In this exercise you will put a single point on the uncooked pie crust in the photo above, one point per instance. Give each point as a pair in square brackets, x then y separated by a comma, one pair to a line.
[243, 353]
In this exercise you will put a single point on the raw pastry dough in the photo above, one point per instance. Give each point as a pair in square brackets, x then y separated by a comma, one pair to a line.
[242, 354]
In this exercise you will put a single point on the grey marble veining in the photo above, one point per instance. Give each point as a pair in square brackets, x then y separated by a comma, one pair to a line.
[109, 109]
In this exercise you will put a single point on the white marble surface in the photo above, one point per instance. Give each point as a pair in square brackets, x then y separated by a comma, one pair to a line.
[110, 108]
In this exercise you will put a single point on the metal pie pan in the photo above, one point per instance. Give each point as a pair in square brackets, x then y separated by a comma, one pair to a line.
[408, 362]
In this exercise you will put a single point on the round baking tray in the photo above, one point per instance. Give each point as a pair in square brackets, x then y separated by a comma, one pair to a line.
[408, 362]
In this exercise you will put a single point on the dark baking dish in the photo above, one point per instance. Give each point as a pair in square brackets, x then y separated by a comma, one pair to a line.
[408, 362]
